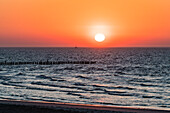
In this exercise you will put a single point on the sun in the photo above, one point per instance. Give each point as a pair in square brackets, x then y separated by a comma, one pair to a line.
[99, 37]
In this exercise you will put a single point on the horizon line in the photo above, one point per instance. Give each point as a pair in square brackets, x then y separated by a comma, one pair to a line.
[83, 47]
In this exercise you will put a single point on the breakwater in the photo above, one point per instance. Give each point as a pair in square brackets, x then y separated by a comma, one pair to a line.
[48, 62]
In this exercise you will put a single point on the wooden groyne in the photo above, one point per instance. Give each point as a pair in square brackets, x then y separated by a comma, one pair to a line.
[48, 62]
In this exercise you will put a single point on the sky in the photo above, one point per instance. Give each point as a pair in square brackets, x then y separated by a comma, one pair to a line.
[70, 23]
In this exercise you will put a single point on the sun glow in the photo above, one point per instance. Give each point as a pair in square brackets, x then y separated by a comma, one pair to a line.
[99, 37]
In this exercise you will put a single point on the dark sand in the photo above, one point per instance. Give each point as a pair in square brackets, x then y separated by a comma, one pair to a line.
[14, 106]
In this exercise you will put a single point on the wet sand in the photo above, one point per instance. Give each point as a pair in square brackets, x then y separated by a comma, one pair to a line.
[15, 106]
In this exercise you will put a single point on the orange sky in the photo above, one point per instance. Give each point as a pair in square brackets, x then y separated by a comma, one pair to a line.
[65, 23]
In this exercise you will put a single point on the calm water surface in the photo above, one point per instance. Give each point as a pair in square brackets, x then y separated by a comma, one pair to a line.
[121, 77]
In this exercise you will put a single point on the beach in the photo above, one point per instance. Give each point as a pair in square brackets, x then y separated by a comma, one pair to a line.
[18, 106]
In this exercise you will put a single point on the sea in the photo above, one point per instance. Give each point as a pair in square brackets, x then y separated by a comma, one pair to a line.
[136, 77]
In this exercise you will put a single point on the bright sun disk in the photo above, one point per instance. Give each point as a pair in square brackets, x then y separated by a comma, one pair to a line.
[99, 37]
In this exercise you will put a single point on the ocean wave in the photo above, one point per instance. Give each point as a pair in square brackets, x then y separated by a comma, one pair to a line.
[121, 76]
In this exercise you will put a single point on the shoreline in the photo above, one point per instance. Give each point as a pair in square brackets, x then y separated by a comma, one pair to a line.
[51, 107]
